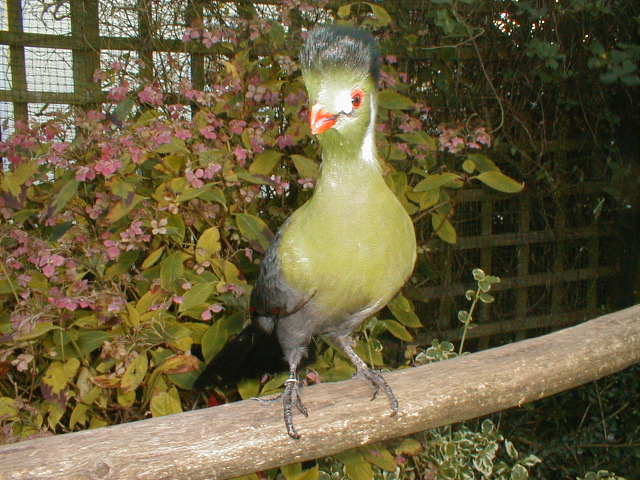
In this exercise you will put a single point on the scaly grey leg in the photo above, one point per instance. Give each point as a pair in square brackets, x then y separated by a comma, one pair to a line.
[374, 378]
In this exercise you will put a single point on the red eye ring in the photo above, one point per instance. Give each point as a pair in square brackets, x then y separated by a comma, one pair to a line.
[356, 97]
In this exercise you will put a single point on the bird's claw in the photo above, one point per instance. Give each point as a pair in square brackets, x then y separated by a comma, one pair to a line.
[267, 400]
[378, 382]
[291, 397]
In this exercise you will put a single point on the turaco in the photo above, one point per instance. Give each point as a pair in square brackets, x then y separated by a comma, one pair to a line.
[347, 251]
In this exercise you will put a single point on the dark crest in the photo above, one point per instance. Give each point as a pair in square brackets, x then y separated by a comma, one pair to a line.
[341, 46]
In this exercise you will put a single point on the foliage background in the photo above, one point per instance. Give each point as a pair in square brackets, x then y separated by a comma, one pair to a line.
[132, 234]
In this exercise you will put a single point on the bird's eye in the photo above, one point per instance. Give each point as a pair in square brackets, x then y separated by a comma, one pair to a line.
[356, 98]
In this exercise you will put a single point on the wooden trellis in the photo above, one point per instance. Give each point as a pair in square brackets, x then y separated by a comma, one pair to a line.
[520, 279]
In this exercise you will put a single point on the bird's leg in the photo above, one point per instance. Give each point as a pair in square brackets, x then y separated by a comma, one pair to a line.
[374, 378]
[291, 397]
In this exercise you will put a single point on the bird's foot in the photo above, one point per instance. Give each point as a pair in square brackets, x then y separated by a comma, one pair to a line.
[291, 397]
[378, 383]
[267, 400]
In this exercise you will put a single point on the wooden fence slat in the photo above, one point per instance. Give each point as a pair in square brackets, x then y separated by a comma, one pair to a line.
[17, 60]
[524, 253]
[426, 294]
[239, 438]
[486, 263]
[567, 319]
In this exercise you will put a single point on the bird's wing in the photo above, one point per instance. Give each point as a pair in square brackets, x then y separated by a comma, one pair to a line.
[272, 297]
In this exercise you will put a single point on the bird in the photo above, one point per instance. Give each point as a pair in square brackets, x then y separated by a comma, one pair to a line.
[346, 252]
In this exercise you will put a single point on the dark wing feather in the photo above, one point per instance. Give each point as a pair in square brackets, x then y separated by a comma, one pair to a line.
[272, 297]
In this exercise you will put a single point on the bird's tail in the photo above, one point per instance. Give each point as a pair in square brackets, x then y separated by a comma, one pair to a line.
[251, 354]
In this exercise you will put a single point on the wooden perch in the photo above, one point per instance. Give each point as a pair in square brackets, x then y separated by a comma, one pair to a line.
[243, 437]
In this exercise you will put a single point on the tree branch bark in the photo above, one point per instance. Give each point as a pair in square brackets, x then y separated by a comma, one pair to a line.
[243, 437]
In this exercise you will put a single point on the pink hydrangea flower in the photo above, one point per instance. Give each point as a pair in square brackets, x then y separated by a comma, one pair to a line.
[284, 141]
[113, 250]
[108, 167]
[209, 132]
[241, 154]
[119, 93]
[151, 96]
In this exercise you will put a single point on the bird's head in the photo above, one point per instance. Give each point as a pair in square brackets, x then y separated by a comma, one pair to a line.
[340, 66]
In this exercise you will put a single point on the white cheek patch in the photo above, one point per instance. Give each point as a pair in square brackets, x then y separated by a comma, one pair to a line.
[343, 102]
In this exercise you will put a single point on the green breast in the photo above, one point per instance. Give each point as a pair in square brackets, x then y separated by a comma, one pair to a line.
[353, 244]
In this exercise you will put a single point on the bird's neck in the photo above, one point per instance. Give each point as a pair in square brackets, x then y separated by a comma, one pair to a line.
[349, 162]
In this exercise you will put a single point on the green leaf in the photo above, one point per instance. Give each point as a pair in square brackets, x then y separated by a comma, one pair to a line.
[66, 193]
[182, 363]
[176, 145]
[209, 192]
[8, 409]
[196, 295]
[78, 415]
[126, 399]
[486, 298]
[530, 461]
[171, 270]
[165, 403]
[487, 427]
[499, 181]
[123, 109]
[344, 11]
[402, 309]
[419, 138]
[37, 331]
[275, 383]
[397, 330]
[310, 474]
[359, 471]
[123, 207]
[306, 167]
[135, 372]
[519, 473]
[478, 274]
[249, 388]
[208, 244]
[216, 336]
[381, 457]
[439, 180]
[383, 18]
[469, 166]
[255, 231]
[59, 374]
[152, 258]
[265, 162]
[251, 178]
[90, 340]
[443, 228]
[392, 100]
[511, 449]
[291, 472]
[482, 162]
[213, 194]
[14, 180]
[409, 446]
[123, 265]
[55, 411]
[176, 228]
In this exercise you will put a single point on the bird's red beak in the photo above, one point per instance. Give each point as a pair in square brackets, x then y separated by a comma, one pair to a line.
[320, 120]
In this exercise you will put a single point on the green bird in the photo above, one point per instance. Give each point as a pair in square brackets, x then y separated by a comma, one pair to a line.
[347, 251]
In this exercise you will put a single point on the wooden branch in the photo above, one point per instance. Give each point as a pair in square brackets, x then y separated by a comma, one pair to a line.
[235, 439]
